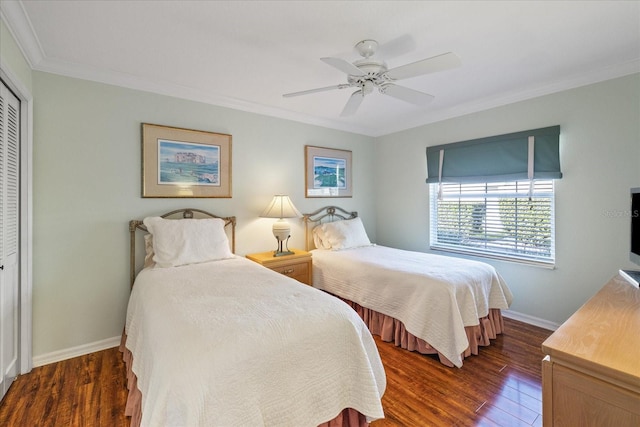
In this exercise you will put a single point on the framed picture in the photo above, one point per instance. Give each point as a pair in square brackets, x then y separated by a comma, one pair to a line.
[327, 172]
[185, 163]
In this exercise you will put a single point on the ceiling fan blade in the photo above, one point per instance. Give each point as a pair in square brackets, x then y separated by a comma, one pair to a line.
[353, 103]
[344, 66]
[424, 66]
[396, 47]
[405, 94]
[320, 89]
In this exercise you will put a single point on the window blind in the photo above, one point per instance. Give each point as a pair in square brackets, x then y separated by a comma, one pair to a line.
[526, 155]
[497, 220]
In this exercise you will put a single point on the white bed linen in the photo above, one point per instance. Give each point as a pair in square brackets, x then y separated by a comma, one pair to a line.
[434, 296]
[231, 343]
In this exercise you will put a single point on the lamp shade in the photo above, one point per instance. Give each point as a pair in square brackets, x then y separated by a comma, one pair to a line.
[281, 207]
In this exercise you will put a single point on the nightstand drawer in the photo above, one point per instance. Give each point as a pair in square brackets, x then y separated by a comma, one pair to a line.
[297, 266]
[298, 271]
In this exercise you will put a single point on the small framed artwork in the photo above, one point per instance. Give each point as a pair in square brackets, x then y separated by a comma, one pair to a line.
[327, 172]
[185, 163]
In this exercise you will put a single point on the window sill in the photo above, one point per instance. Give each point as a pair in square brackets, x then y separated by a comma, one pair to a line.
[549, 265]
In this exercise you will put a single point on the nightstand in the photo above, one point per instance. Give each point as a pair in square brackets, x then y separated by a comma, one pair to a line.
[297, 266]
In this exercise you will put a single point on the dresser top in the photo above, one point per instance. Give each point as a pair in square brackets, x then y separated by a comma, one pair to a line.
[603, 336]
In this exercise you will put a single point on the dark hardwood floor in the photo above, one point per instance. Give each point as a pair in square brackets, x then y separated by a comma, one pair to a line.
[86, 391]
[500, 387]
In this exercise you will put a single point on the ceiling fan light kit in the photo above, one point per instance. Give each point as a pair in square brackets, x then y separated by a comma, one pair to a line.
[368, 73]
[367, 48]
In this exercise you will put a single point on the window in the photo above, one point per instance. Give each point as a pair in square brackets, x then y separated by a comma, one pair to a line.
[497, 219]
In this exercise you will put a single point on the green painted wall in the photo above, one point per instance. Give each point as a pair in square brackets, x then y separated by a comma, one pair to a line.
[600, 157]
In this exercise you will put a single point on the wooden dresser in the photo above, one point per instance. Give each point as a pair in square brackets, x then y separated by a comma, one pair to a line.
[591, 374]
[297, 266]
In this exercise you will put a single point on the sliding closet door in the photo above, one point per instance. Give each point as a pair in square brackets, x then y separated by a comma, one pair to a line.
[9, 235]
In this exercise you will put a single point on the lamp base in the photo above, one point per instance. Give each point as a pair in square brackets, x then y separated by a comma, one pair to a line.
[279, 251]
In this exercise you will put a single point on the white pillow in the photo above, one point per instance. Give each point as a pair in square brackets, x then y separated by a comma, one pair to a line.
[187, 241]
[317, 240]
[344, 234]
[148, 251]
[318, 235]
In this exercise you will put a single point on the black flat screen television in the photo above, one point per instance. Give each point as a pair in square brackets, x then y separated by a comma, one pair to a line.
[634, 254]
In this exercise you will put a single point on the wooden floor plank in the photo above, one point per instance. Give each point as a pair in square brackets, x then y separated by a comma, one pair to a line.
[514, 408]
[538, 421]
[530, 402]
[513, 360]
[501, 417]
[500, 387]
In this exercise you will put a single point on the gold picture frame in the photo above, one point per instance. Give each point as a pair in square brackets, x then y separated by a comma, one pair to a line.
[327, 172]
[185, 163]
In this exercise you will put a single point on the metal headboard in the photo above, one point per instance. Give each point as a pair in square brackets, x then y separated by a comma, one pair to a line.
[323, 215]
[186, 213]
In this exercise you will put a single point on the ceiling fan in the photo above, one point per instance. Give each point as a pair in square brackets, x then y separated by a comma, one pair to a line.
[369, 73]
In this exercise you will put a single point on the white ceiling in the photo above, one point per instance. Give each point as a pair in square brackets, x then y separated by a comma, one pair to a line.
[247, 54]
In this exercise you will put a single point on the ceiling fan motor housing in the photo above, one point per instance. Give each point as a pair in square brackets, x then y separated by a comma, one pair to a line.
[374, 74]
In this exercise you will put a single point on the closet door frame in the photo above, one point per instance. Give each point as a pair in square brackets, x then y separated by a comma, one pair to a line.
[25, 273]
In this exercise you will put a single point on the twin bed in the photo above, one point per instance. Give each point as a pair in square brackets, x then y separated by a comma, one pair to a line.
[428, 303]
[215, 339]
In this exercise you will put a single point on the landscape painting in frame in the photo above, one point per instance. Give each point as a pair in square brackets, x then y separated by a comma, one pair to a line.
[185, 163]
[328, 172]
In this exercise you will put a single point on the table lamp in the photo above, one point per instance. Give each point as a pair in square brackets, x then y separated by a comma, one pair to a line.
[281, 207]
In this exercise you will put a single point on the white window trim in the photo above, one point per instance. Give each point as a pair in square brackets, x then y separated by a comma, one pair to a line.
[434, 195]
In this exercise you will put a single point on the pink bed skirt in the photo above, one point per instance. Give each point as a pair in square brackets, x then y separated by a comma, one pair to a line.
[347, 418]
[390, 329]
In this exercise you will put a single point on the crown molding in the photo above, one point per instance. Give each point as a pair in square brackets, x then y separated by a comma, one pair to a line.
[131, 81]
[120, 79]
[14, 16]
[500, 100]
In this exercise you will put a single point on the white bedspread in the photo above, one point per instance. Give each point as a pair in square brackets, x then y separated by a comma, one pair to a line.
[434, 296]
[231, 343]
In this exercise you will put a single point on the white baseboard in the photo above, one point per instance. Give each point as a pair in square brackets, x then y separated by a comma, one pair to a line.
[81, 350]
[535, 321]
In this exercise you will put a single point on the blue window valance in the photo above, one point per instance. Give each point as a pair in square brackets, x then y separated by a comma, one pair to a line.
[527, 155]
